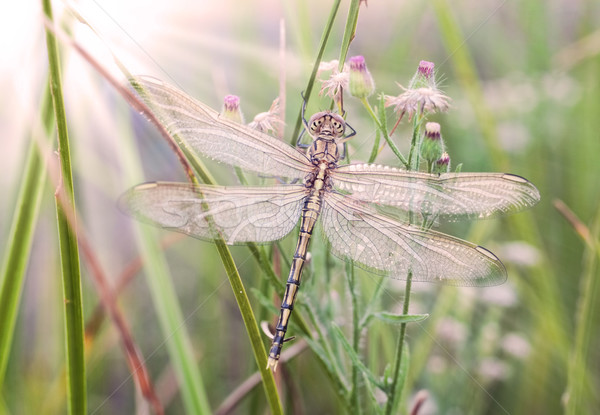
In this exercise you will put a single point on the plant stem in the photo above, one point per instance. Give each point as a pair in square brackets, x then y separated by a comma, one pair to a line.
[354, 398]
[393, 392]
[332, 14]
[383, 130]
[69, 252]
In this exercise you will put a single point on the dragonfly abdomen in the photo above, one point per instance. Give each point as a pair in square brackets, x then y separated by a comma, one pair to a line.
[310, 215]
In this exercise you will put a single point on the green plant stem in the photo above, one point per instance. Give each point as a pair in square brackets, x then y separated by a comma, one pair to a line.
[382, 128]
[579, 399]
[241, 297]
[69, 251]
[394, 392]
[251, 327]
[322, 44]
[349, 31]
[354, 397]
[20, 236]
[415, 145]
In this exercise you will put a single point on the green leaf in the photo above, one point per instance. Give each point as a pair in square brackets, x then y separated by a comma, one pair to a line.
[392, 318]
[18, 246]
[67, 234]
[354, 357]
[264, 300]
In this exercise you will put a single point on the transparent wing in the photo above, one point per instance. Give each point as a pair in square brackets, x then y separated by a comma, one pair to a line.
[385, 246]
[238, 214]
[452, 196]
[207, 133]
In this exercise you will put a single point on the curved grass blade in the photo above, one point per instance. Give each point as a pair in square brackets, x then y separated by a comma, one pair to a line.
[20, 236]
[69, 251]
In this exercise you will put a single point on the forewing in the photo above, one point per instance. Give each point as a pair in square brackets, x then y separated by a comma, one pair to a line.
[237, 214]
[452, 196]
[385, 246]
[207, 133]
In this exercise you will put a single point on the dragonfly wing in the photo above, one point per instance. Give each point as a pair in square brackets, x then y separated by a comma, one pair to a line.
[382, 245]
[237, 214]
[452, 196]
[207, 133]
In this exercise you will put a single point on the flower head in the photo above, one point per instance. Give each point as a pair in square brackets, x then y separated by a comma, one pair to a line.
[442, 165]
[267, 121]
[432, 146]
[361, 81]
[337, 81]
[231, 108]
[422, 95]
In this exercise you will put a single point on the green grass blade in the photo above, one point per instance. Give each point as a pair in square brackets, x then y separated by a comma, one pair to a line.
[251, 325]
[356, 362]
[349, 31]
[240, 295]
[69, 251]
[466, 73]
[322, 44]
[172, 323]
[581, 396]
[19, 240]
[235, 281]
[166, 305]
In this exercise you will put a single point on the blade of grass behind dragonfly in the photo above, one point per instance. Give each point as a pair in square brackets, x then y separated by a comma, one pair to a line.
[17, 253]
[349, 31]
[580, 391]
[237, 286]
[165, 301]
[543, 294]
[322, 44]
[69, 250]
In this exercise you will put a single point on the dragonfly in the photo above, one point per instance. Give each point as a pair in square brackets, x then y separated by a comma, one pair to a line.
[346, 199]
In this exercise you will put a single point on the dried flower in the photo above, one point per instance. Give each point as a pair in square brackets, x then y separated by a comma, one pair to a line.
[422, 95]
[337, 82]
[268, 121]
[361, 81]
[231, 108]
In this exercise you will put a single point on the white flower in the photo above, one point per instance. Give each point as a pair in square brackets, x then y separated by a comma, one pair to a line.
[337, 82]
[268, 121]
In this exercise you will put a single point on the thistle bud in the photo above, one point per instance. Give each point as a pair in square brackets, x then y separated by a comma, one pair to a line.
[424, 77]
[432, 145]
[231, 109]
[361, 81]
[442, 165]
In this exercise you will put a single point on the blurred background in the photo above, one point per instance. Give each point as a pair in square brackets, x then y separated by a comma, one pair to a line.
[523, 79]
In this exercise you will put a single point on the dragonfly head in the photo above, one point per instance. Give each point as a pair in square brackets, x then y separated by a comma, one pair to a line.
[328, 124]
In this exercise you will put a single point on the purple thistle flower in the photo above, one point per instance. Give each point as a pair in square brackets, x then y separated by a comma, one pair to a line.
[231, 108]
[361, 81]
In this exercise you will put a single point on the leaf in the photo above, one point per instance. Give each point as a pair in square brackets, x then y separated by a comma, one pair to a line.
[392, 318]
[354, 357]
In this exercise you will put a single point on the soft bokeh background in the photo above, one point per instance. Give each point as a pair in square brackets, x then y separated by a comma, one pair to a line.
[497, 350]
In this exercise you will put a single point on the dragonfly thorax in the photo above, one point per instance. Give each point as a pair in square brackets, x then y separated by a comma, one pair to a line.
[324, 149]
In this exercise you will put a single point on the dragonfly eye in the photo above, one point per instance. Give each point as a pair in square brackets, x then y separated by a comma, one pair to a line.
[339, 128]
[338, 124]
[316, 124]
